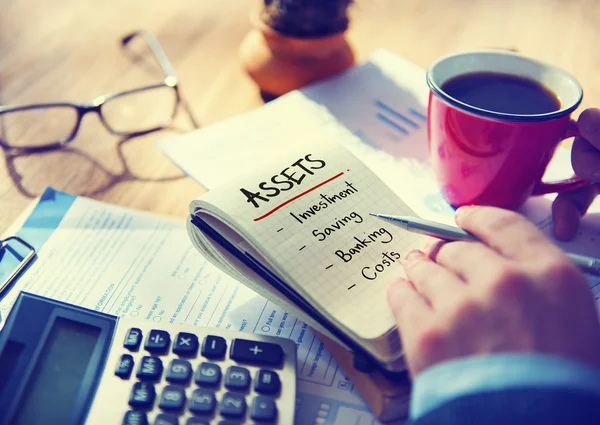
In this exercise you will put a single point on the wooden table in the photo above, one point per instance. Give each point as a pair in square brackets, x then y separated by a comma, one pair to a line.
[68, 50]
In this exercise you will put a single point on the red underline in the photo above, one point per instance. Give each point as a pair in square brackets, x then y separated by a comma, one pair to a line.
[298, 196]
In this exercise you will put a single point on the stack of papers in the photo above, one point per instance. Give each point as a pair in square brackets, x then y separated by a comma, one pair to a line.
[133, 264]
[384, 103]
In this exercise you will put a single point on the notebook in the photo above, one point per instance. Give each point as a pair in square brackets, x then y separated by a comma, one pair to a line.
[297, 230]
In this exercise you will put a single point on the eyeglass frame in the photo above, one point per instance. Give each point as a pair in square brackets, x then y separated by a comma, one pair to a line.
[171, 80]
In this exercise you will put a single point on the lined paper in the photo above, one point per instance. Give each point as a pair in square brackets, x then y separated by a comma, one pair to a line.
[319, 233]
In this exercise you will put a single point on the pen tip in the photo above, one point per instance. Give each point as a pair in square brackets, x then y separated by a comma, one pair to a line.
[374, 215]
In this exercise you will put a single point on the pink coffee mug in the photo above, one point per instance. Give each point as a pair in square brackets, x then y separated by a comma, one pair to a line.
[484, 157]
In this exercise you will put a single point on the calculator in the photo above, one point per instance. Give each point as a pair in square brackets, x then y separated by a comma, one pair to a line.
[64, 364]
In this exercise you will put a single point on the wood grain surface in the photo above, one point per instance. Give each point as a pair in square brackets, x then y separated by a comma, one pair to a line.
[68, 50]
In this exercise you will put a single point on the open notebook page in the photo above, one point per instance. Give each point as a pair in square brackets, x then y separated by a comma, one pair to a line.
[308, 211]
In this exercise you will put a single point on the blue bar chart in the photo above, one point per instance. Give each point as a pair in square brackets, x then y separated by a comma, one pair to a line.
[403, 122]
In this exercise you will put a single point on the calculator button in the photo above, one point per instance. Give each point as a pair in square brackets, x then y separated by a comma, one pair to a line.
[133, 339]
[256, 352]
[164, 419]
[133, 417]
[124, 366]
[263, 409]
[233, 405]
[208, 374]
[202, 402]
[196, 421]
[142, 395]
[157, 341]
[214, 347]
[172, 398]
[237, 378]
[267, 382]
[186, 344]
[179, 371]
[150, 368]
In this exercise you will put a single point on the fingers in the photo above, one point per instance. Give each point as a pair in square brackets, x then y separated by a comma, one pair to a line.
[472, 261]
[585, 159]
[409, 308]
[433, 282]
[589, 126]
[569, 207]
[413, 316]
[507, 232]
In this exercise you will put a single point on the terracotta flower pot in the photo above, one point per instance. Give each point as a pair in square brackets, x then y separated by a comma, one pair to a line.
[279, 63]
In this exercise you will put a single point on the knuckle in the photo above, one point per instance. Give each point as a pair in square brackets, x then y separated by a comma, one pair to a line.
[508, 282]
[559, 272]
[450, 252]
[504, 219]
[465, 311]
[430, 340]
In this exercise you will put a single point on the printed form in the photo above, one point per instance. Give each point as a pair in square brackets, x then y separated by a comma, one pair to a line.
[133, 264]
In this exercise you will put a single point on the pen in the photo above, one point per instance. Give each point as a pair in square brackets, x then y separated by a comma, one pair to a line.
[588, 265]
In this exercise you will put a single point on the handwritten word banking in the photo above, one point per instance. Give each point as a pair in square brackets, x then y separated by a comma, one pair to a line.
[289, 177]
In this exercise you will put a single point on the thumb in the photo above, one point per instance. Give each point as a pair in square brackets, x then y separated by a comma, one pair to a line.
[585, 159]
[569, 207]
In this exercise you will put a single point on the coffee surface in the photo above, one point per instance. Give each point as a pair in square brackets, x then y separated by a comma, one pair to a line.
[503, 93]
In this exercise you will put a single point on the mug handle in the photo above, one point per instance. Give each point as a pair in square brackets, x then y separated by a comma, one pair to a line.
[575, 182]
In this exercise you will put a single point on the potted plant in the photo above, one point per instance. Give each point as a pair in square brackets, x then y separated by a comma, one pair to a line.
[296, 42]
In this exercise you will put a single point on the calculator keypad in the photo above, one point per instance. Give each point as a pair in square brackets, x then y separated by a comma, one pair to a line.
[186, 344]
[233, 405]
[157, 341]
[214, 347]
[172, 398]
[256, 352]
[267, 382]
[166, 419]
[179, 371]
[135, 417]
[150, 369]
[202, 401]
[183, 379]
[125, 366]
[208, 374]
[263, 409]
[142, 395]
[237, 378]
[133, 339]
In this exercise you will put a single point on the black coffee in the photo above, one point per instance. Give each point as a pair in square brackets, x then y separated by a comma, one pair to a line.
[504, 93]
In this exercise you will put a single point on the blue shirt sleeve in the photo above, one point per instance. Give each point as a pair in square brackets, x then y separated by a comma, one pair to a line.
[455, 378]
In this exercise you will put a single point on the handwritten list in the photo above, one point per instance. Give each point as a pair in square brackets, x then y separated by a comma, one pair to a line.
[308, 213]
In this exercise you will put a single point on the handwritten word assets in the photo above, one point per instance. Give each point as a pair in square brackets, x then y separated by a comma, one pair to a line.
[284, 181]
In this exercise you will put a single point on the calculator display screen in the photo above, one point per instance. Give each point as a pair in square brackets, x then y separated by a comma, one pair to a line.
[53, 387]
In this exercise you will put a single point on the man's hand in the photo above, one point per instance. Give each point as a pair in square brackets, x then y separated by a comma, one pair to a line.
[515, 292]
[569, 207]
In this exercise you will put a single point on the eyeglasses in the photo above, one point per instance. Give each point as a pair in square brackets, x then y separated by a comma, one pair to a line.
[46, 126]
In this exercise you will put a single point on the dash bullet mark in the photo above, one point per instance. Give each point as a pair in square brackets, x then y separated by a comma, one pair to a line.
[352, 286]
[302, 248]
[280, 230]
[329, 266]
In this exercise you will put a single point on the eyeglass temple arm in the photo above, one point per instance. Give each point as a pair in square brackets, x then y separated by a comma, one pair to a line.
[157, 50]
[163, 61]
